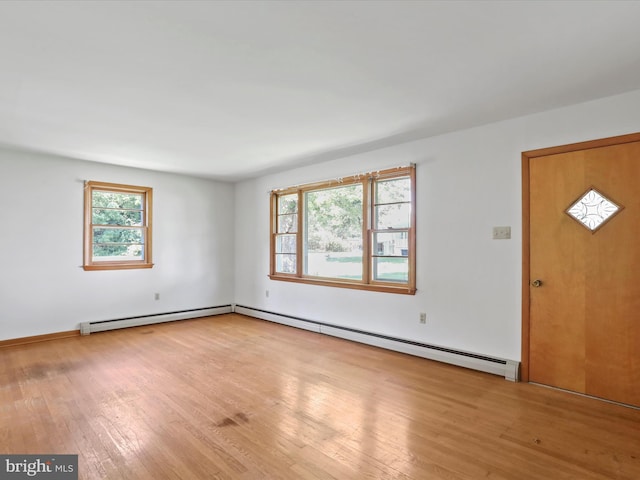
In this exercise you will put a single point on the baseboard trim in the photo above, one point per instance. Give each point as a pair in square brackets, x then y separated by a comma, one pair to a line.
[103, 325]
[12, 342]
[509, 369]
[87, 328]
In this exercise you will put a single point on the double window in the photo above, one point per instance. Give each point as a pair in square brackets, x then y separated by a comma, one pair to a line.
[355, 232]
[117, 226]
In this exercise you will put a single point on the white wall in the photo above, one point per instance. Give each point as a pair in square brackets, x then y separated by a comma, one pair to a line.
[468, 284]
[468, 181]
[43, 288]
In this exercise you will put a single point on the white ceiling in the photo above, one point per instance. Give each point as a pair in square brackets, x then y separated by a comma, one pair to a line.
[230, 90]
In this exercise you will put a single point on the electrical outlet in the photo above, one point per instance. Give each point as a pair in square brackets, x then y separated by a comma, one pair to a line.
[266, 293]
[423, 318]
[156, 296]
[501, 233]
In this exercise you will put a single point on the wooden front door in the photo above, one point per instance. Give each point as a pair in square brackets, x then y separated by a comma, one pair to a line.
[583, 283]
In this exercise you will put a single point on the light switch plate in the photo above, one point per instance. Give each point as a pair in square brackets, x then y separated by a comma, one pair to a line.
[501, 233]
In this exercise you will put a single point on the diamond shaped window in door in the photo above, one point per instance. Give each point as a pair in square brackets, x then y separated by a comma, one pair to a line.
[593, 209]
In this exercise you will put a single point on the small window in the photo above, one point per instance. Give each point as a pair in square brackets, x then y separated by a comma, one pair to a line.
[117, 226]
[356, 232]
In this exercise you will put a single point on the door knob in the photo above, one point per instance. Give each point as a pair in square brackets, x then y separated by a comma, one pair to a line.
[536, 283]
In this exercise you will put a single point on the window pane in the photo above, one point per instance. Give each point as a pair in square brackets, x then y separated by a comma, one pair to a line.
[117, 217]
[334, 265]
[285, 263]
[287, 223]
[288, 204]
[394, 190]
[133, 201]
[393, 216]
[286, 244]
[394, 244]
[105, 253]
[118, 235]
[391, 269]
[333, 232]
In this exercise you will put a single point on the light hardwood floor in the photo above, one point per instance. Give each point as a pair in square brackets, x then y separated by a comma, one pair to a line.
[231, 397]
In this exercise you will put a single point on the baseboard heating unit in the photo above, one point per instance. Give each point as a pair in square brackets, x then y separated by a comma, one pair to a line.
[497, 366]
[103, 325]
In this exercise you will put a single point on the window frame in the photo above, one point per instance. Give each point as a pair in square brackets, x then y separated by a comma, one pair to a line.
[146, 227]
[368, 182]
